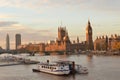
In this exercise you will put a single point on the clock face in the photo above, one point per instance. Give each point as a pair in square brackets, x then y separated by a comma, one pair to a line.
[90, 31]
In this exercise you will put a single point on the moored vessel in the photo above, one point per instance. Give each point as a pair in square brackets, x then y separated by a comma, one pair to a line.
[60, 68]
[55, 68]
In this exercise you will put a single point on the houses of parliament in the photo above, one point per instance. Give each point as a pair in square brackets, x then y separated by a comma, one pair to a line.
[63, 42]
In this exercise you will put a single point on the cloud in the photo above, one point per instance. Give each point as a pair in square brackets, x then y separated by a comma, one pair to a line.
[43, 31]
[7, 16]
[7, 23]
[43, 5]
[39, 3]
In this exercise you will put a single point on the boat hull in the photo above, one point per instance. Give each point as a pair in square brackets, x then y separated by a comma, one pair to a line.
[35, 70]
[60, 72]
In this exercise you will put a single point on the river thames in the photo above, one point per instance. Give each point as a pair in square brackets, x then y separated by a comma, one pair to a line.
[100, 68]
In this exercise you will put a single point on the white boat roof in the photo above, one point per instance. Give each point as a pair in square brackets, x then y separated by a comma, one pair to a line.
[57, 62]
[63, 61]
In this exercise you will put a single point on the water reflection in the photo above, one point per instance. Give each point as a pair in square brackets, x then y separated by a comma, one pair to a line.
[100, 68]
[90, 61]
[63, 56]
[89, 58]
[53, 77]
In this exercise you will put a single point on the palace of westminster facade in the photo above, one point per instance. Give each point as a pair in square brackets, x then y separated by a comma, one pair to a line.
[63, 42]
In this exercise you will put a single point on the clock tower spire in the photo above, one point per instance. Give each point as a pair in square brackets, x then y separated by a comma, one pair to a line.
[89, 40]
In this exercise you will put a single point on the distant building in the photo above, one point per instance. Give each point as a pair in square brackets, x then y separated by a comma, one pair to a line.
[62, 32]
[18, 40]
[63, 42]
[101, 43]
[114, 42]
[107, 43]
[89, 40]
[32, 47]
[7, 42]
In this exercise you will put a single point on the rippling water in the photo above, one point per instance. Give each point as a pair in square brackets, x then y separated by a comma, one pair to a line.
[100, 68]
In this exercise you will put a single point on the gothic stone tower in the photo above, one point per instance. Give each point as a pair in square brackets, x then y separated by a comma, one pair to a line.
[61, 33]
[89, 40]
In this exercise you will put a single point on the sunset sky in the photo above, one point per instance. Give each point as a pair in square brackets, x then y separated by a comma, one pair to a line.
[38, 20]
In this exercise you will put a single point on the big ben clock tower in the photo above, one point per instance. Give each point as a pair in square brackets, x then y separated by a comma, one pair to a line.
[89, 40]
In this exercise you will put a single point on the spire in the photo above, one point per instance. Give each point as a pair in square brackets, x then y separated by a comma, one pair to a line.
[77, 39]
[106, 37]
[88, 25]
[88, 22]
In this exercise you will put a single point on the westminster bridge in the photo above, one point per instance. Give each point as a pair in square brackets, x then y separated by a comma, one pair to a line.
[32, 53]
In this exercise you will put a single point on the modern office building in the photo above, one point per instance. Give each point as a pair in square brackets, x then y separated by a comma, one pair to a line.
[7, 42]
[18, 40]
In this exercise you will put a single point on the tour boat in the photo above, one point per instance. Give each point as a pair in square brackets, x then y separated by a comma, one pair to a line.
[60, 68]
[56, 68]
